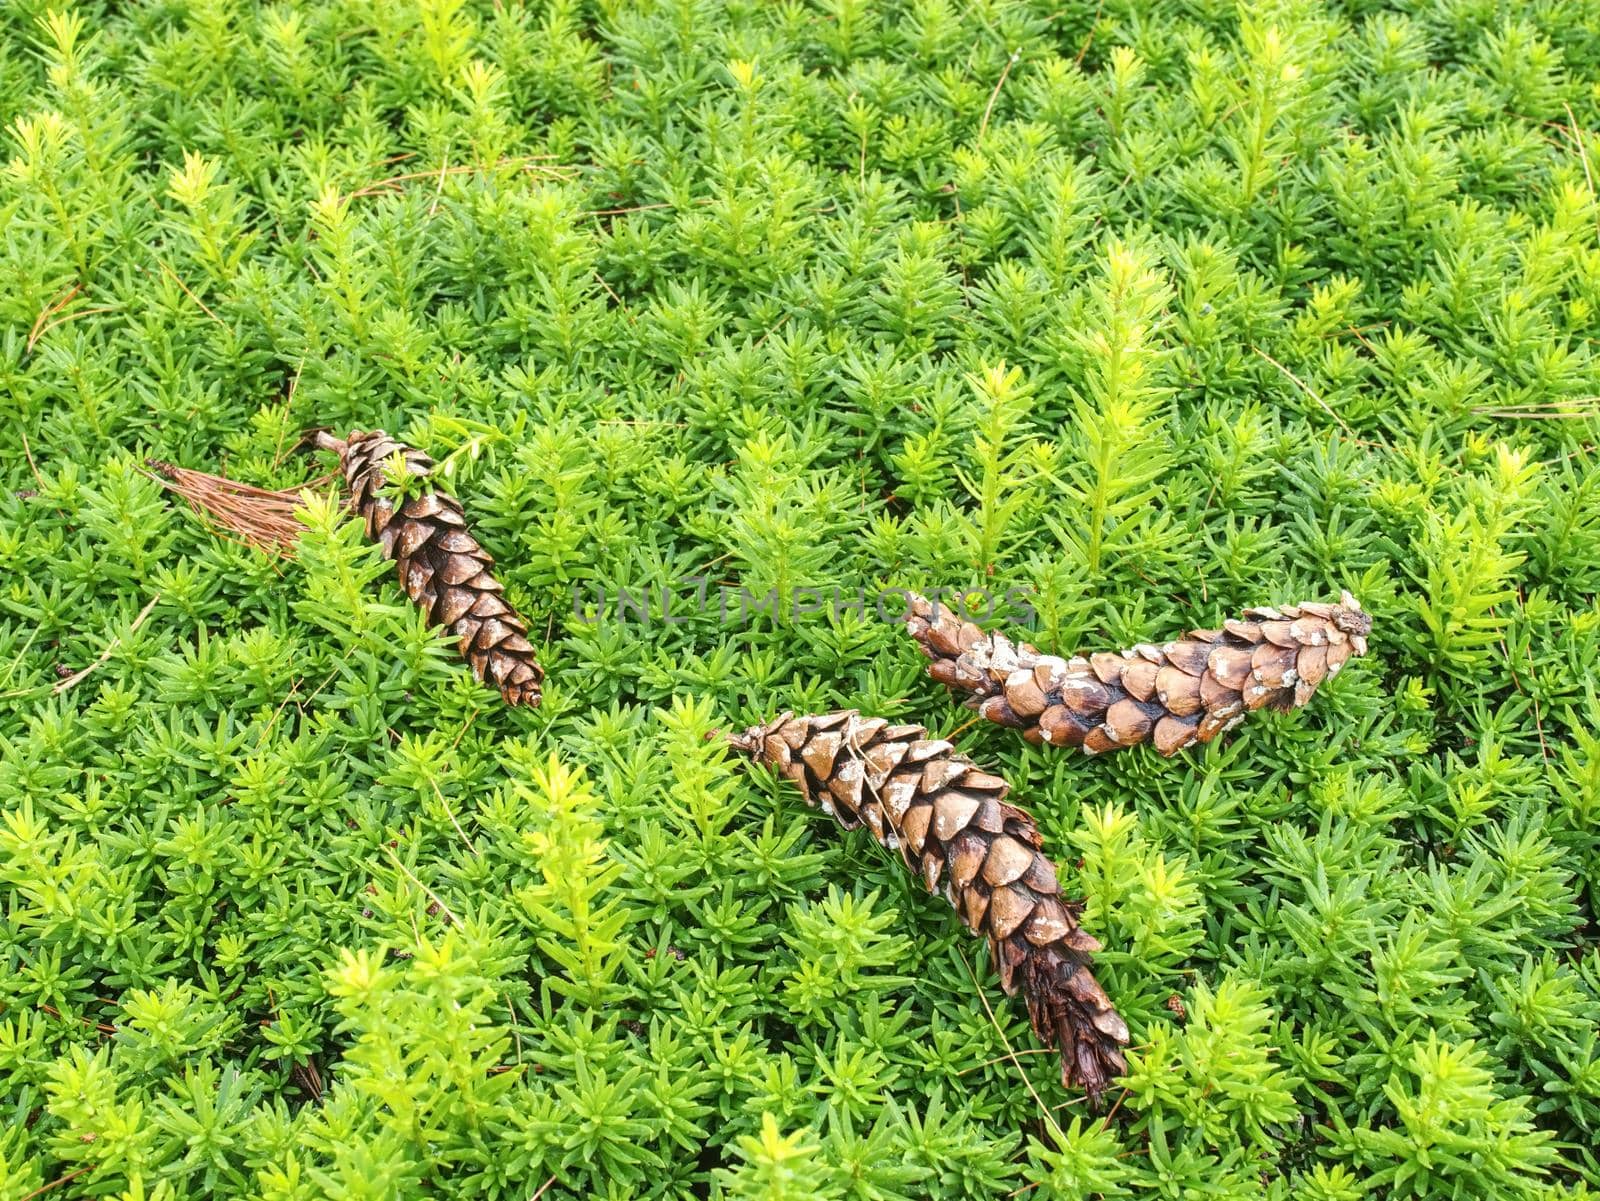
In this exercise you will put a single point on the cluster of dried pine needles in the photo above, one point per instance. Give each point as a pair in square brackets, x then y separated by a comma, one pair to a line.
[258, 517]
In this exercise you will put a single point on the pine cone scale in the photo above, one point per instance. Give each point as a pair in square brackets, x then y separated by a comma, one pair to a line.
[951, 825]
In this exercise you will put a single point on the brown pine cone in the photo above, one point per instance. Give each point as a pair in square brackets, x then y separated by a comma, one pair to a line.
[949, 820]
[1174, 694]
[441, 565]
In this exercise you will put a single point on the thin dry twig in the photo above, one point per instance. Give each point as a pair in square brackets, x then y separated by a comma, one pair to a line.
[634, 208]
[105, 655]
[1565, 409]
[989, 1063]
[1089, 40]
[435, 897]
[56, 305]
[977, 987]
[438, 191]
[32, 466]
[16, 662]
[102, 1027]
[310, 1079]
[963, 727]
[1538, 717]
[1583, 156]
[532, 164]
[60, 1180]
[601, 280]
[280, 452]
[44, 323]
[1295, 380]
[49, 311]
[450, 813]
[289, 696]
[988, 109]
[516, 1031]
[204, 307]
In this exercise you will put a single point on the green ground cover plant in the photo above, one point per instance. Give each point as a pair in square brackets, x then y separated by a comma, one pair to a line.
[1155, 308]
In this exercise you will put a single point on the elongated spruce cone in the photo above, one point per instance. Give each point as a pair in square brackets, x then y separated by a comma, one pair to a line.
[1174, 695]
[441, 565]
[949, 821]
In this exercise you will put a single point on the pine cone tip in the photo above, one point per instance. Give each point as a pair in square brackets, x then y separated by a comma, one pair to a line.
[1072, 1013]
[749, 741]
[1350, 617]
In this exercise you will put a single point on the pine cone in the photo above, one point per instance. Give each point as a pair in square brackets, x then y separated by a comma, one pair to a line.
[949, 820]
[441, 565]
[1174, 695]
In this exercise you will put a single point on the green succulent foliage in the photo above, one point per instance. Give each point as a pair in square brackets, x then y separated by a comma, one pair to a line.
[724, 316]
